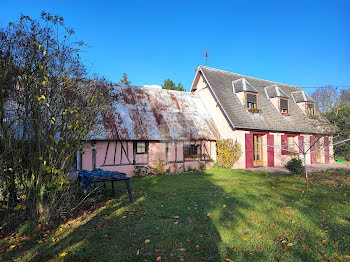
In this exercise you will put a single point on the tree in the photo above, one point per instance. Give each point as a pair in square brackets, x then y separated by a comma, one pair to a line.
[124, 79]
[335, 106]
[325, 98]
[169, 84]
[340, 117]
[48, 108]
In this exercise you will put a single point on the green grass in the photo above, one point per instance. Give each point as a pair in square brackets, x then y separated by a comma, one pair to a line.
[228, 214]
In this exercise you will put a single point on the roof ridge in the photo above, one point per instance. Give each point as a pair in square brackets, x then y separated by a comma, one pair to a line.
[250, 76]
[154, 88]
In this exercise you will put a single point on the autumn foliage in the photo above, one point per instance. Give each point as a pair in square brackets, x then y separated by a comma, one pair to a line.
[229, 151]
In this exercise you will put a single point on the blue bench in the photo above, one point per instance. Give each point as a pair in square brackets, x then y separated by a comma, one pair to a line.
[89, 179]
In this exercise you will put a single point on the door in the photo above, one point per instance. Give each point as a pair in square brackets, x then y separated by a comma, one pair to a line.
[318, 152]
[258, 150]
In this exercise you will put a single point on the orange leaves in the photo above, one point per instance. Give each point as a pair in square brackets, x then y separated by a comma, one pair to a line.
[324, 241]
[159, 258]
[197, 247]
[63, 254]
[244, 238]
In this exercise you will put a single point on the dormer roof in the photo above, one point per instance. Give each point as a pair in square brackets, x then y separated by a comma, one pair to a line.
[301, 96]
[242, 85]
[273, 91]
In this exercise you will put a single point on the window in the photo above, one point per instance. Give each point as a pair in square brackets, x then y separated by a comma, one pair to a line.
[190, 151]
[251, 100]
[310, 109]
[284, 106]
[140, 147]
[291, 144]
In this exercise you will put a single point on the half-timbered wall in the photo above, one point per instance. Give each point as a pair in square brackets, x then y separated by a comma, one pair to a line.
[121, 155]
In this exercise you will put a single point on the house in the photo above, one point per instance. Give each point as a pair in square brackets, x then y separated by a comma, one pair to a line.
[272, 121]
[148, 126]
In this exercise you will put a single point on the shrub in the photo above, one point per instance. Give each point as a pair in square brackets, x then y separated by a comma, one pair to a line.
[229, 151]
[141, 171]
[295, 166]
[159, 167]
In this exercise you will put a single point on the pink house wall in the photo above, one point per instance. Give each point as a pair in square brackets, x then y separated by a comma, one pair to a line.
[120, 156]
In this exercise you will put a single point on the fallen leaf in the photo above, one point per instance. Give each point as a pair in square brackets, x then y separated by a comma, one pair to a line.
[159, 259]
[147, 241]
[63, 254]
[138, 252]
[290, 244]
[244, 238]
[197, 247]
[12, 246]
[324, 241]
[224, 206]
[40, 241]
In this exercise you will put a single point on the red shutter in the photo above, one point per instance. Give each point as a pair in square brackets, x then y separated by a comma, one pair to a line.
[270, 151]
[300, 144]
[313, 149]
[249, 151]
[284, 145]
[326, 149]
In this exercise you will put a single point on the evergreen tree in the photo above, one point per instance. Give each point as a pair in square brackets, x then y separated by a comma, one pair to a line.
[125, 80]
[170, 85]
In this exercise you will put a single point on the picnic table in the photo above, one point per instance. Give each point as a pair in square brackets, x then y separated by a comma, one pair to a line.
[89, 180]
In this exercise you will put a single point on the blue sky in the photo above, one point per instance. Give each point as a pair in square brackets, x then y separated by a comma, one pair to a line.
[304, 43]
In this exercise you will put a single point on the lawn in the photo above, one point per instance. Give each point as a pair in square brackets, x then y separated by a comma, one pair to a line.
[216, 215]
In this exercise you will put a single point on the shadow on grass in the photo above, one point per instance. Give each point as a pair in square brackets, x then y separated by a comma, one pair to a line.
[208, 216]
[172, 218]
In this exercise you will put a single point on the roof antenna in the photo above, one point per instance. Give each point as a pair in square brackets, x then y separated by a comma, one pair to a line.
[206, 54]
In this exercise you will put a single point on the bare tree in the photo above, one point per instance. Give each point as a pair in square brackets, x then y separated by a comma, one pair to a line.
[325, 98]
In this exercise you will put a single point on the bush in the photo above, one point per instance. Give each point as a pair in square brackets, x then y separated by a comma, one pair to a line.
[159, 167]
[229, 151]
[141, 171]
[295, 166]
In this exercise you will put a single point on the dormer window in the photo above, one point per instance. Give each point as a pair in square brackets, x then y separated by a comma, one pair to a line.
[251, 100]
[310, 109]
[305, 102]
[247, 94]
[284, 106]
[278, 98]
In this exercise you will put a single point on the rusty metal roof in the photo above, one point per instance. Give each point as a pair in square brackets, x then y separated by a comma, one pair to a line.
[148, 113]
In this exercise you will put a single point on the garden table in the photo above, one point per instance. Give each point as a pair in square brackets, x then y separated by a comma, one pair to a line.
[99, 176]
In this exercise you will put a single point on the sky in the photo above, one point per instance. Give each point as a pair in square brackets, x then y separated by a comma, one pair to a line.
[304, 43]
